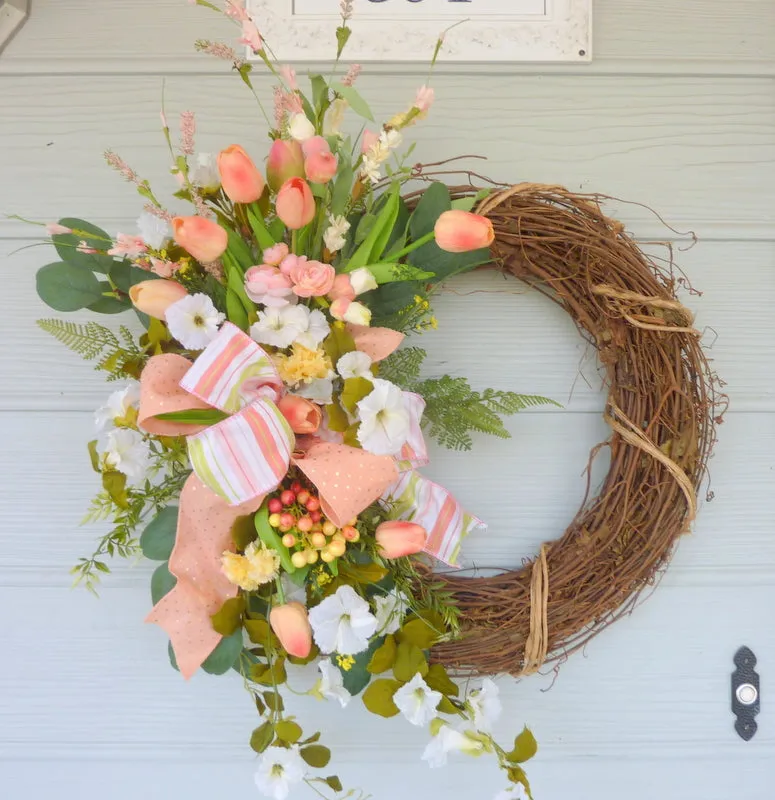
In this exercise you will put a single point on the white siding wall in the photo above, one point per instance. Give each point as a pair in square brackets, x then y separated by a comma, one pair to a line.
[677, 111]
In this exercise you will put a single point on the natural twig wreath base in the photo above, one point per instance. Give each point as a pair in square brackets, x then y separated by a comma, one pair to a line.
[661, 409]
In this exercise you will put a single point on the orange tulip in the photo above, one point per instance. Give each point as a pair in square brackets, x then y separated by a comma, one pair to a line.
[204, 239]
[295, 204]
[285, 161]
[397, 538]
[460, 231]
[320, 167]
[155, 297]
[291, 625]
[302, 415]
[240, 178]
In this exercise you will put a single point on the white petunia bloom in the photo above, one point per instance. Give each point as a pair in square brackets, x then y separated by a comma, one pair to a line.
[317, 329]
[485, 705]
[331, 683]
[342, 623]
[154, 231]
[280, 327]
[385, 421]
[390, 611]
[517, 792]
[446, 741]
[118, 406]
[205, 174]
[300, 128]
[194, 321]
[335, 236]
[318, 390]
[417, 701]
[279, 769]
[355, 364]
[126, 451]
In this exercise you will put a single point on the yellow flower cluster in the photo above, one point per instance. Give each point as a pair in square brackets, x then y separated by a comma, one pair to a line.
[303, 365]
[259, 565]
[345, 662]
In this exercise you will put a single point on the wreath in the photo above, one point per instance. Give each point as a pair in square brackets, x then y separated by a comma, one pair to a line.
[267, 441]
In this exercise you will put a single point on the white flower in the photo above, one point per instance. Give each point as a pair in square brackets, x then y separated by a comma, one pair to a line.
[205, 174]
[335, 236]
[385, 422]
[390, 610]
[119, 404]
[300, 128]
[331, 683]
[370, 169]
[362, 280]
[354, 312]
[342, 623]
[335, 116]
[317, 329]
[485, 705]
[194, 321]
[517, 792]
[318, 390]
[390, 139]
[154, 231]
[447, 740]
[278, 770]
[125, 450]
[355, 364]
[417, 701]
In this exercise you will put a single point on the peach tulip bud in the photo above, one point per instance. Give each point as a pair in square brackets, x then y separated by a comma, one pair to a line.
[240, 178]
[320, 167]
[303, 416]
[204, 239]
[285, 160]
[342, 289]
[397, 538]
[291, 625]
[295, 204]
[155, 297]
[315, 145]
[460, 231]
[350, 311]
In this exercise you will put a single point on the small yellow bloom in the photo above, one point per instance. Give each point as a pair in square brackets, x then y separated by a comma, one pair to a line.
[322, 577]
[345, 662]
[303, 365]
[259, 565]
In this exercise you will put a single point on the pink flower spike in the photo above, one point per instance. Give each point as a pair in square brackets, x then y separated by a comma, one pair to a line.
[164, 269]
[236, 10]
[289, 76]
[369, 140]
[55, 229]
[250, 36]
[424, 99]
[85, 249]
[187, 131]
[352, 75]
[127, 246]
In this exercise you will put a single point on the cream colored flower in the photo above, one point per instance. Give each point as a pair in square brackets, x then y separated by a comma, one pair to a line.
[259, 565]
[303, 365]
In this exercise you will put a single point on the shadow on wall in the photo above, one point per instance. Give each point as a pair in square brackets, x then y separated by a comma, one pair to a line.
[13, 14]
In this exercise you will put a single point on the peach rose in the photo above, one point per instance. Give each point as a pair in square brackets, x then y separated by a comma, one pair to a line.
[312, 278]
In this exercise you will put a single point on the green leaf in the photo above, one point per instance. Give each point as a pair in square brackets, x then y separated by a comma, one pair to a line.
[410, 661]
[418, 632]
[384, 658]
[162, 582]
[229, 617]
[114, 483]
[125, 275]
[173, 660]
[66, 287]
[374, 244]
[158, 538]
[274, 702]
[225, 655]
[262, 737]
[288, 731]
[343, 186]
[353, 97]
[355, 389]
[389, 272]
[525, 747]
[316, 755]
[378, 697]
[239, 250]
[357, 677]
[260, 632]
[94, 456]
[343, 34]
[109, 305]
[319, 94]
[337, 419]
[235, 311]
[434, 202]
[243, 532]
[334, 783]
[96, 238]
[363, 573]
[438, 680]
[338, 343]
[271, 538]
[195, 416]
[446, 706]
[260, 231]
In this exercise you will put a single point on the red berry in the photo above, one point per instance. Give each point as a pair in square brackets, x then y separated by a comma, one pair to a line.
[296, 487]
[275, 505]
[287, 520]
[303, 496]
[313, 504]
[288, 498]
[315, 516]
[304, 524]
[350, 533]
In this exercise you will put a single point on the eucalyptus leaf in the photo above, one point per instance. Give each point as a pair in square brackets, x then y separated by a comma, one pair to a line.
[158, 538]
[225, 655]
[356, 678]
[162, 582]
[353, 97]
[66, 287]
[109, 305]
[66, 245]
[125, 275]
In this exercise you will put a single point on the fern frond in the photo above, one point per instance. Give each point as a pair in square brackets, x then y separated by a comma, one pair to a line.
[403, 366]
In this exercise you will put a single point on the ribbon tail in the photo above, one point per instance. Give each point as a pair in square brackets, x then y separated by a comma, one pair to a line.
[204, 533]
[415, 497]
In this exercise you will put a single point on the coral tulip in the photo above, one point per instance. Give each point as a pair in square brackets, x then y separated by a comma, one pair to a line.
[303, 416]
[240, 178]
[295, 204]
[155, 297]
[291, 625]
[397, 538]
[460, 231]
[204, 239]
[317, 144]
[320, 167]
[285, 161]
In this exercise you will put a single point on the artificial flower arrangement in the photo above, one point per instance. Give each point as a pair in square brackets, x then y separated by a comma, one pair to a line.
[269, 432]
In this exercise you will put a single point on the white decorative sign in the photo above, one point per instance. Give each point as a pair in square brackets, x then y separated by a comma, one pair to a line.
[407, 30]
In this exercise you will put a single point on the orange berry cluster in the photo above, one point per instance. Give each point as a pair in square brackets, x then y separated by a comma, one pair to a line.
[297, 514]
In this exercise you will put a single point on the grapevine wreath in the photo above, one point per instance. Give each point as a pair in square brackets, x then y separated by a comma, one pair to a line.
[266, 439]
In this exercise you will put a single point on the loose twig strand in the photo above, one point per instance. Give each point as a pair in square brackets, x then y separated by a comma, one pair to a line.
[662, 408]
